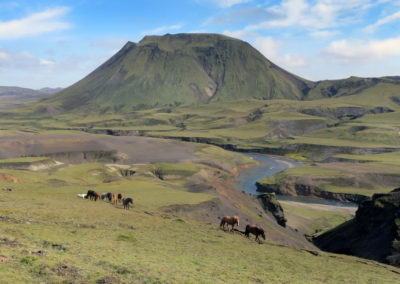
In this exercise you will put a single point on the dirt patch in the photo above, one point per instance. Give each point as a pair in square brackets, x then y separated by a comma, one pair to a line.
[321, 207]
[10, 178]
[8, 242]
[81, 147]
[64, 269]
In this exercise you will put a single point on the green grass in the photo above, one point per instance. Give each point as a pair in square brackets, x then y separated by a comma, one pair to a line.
[86, 241]
[320, 221]
[28, 160]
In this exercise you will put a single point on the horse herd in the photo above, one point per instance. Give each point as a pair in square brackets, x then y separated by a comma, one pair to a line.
[234, 220]
[111, 197]
[225, 221]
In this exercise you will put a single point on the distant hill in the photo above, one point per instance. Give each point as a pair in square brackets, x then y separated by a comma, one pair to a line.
[15, 96]
[196, 69]
[181, 69]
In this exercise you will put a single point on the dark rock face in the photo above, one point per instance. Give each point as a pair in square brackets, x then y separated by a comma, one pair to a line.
[271, 204]
[298, 189]
[374, 233]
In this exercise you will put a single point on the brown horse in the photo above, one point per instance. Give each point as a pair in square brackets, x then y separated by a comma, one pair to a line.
[115, 199]
[229, 220]
[255, 230]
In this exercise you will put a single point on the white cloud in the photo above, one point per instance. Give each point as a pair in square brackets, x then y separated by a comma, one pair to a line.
[272, 49]
[239, 34]
[314, 15]
[224, 3]
[35, 24]
[229, 3]
[348, 52]
[383, 21]
[162, 29]
[324, 33]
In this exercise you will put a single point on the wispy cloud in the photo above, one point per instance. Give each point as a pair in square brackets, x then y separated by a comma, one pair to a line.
[324, 33]
[359, 52]
[383, 21]
[272, 49]
[225, 3]
[229, 3]
[240, 15]
[319, 14]
[20, 60]
[35, 24]
[163, 29]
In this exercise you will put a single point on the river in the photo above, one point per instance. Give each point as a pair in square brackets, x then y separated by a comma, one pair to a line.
[270, 165]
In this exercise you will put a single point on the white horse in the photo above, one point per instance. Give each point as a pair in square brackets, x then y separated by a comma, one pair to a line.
[81, 195]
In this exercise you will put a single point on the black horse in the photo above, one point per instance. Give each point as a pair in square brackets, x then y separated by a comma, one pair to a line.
[92, 195]
[126, 202]
[107, 195]
[255, 230]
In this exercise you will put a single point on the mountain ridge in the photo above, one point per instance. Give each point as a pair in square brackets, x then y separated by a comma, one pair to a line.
[193, 69]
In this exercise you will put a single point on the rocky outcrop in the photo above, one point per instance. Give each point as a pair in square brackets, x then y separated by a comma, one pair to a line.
[298, 189]
[272, 205]
[374, 233]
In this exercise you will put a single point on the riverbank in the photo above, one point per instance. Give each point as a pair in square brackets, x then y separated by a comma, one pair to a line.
[321, 207]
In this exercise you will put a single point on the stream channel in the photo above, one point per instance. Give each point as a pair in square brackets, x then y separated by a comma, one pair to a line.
[270, 165]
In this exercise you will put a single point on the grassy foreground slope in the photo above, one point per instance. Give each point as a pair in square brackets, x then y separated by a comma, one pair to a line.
[56, 237]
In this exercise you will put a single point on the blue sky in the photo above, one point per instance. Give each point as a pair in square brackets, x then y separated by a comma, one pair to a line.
[56, 43]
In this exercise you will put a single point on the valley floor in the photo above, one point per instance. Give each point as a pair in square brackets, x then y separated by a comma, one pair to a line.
[171, 235]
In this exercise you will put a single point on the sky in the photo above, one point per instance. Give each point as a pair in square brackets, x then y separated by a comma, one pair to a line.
[56, 43]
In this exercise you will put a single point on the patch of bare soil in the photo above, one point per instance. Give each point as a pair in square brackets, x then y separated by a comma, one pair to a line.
[10, 178]
[64, 269]
[125, 149]
[230, 201]
[321, 207]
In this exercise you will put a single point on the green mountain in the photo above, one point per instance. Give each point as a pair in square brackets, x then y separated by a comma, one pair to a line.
[181, 69]
[193, 69]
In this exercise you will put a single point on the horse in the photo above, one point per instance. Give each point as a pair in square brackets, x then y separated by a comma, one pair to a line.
[81, 195]
[103, 196]
[229, 220]
[255, 230]
[109, 196]
[92, 195]
[119, 197]
[126, 202]
[115, 198]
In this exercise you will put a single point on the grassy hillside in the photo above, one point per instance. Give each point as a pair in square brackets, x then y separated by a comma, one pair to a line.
[179, 69]
[49, 235]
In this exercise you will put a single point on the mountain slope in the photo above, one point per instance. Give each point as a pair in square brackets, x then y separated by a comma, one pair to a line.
[181, 68]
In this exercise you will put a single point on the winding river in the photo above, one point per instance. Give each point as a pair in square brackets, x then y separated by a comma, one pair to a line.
[270, 165]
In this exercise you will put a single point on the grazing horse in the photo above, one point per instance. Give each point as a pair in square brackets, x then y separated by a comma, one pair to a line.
[115, 198]
[126, 202]
[119, 197]
[103, 196]
[255, 230]
[92, 195]
[109, 196]
[229, 220]
[81, 195]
